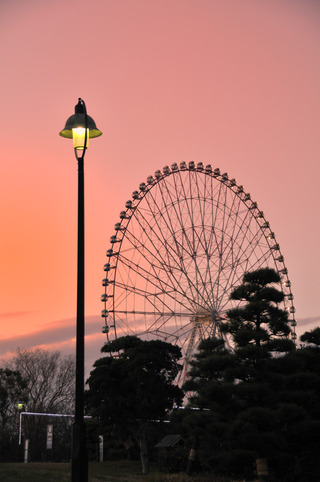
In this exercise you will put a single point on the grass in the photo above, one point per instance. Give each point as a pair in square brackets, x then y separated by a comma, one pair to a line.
[119, 471]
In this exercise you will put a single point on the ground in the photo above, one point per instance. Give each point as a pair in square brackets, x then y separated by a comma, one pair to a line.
[120, 471]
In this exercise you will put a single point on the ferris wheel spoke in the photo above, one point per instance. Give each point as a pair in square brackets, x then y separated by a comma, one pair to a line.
[188, 220]
[150, 313]
[156, 256]
[229, 250]
[177, 248]
[233, 217]
[224, 302]
[179, 216]
[154, 281]
[217, 203]
[201, 251]
[244, 223]
[196, 242]
[194, 286]
[170, 249]
[225, 216]
[185, 242]
[138, 291]
[162, 252]
[252, 248]
[180, 223]
[159, 323]
[202, 206]
[259, 261]
[234, 277]
[221, 241]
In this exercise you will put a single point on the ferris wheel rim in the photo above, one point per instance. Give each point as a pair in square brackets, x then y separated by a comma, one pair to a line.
[238, 193]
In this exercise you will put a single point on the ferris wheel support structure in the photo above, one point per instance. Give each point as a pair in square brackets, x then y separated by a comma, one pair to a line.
[182, 244]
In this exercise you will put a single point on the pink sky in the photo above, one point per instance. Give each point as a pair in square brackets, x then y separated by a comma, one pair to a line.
[227, 82]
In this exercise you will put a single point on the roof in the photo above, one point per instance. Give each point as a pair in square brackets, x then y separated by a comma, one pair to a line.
[169, 441]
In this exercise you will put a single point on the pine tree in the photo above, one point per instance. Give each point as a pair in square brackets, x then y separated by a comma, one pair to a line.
[134, 386]
[238, 388]
[259, 321]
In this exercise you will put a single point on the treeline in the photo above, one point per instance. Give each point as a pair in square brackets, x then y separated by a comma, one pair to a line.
[253, 411]
[258, 405]
[38, 381]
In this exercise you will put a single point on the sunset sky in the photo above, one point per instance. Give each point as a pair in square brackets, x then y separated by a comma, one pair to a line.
[234, 83]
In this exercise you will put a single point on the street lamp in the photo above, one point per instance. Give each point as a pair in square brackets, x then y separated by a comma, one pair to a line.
[80, 127]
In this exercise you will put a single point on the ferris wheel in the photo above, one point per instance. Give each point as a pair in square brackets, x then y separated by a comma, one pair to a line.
[182, 244]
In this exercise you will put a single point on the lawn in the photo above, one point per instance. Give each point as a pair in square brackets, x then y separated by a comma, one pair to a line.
[120, 471]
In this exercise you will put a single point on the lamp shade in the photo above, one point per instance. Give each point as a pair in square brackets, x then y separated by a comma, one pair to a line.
[78, 119]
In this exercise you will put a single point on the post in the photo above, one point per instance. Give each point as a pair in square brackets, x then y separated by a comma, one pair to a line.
[79, 463]
[20, 427]
[26, 451]
[100, 448]
[80, 127]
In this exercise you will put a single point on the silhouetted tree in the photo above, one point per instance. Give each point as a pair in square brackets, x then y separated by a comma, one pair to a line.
[259, 320]
[240, 409]
[50, 378]
[311, 337]
[297, 384]
[12, 389]
[133, 386]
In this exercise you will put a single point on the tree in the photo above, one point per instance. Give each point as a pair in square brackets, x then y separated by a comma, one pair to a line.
[50, 380]
[134, 386]
[259, 321]
[12, 389]
[311, 337]
[211, 381]
[240, 390]
[298, 393]
[50, 377]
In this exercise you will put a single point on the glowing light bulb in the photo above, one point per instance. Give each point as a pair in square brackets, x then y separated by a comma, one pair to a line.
[78, 135]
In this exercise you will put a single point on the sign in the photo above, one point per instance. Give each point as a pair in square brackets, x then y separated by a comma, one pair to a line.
[49, 436]
[26, 451]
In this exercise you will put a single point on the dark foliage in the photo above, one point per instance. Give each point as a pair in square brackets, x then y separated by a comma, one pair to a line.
[134, 382]
[48, 387]
[12, 389]
[133, 387]
[312, 337]
[260, 401]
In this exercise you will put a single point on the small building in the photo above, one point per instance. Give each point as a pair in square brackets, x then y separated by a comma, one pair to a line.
[171, 453]
[168, 441]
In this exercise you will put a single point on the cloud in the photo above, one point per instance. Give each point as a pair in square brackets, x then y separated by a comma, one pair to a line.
[59, 335]
[314, 320]
[14, 314]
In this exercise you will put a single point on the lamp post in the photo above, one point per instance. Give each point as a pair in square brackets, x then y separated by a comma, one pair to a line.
[20, 407]
[80, 127]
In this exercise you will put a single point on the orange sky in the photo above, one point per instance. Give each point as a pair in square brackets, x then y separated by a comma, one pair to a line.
[233, 83]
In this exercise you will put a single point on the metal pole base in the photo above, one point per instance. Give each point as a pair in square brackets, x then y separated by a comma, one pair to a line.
[79, 460]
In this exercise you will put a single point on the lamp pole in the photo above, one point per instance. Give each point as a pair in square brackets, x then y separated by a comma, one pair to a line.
[79, 468]
[80, 127]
